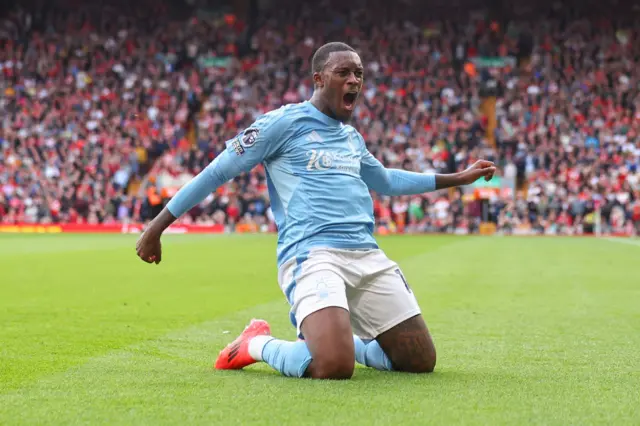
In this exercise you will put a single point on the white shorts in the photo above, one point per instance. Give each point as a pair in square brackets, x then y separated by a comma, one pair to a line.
[365, 282]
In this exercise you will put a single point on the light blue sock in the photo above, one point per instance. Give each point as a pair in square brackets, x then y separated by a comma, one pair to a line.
[371, 354]
[289, 358]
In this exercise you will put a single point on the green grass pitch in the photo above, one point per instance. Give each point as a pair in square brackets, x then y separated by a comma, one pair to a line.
[528, 331]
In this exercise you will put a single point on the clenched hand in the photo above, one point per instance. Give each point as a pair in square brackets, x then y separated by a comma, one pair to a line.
[149, 247]
[480, 169]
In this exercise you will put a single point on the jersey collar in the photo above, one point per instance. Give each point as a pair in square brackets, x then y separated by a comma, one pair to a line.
[315, 112]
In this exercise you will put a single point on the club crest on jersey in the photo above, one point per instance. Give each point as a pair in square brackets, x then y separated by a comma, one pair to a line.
[249, 137]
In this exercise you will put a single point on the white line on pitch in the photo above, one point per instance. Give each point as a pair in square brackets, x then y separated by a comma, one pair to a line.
[632, 242]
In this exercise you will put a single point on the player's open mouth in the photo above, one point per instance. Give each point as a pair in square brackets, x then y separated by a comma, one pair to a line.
[349, 99]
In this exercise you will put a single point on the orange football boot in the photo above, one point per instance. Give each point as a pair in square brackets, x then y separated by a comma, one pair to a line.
[236, 355]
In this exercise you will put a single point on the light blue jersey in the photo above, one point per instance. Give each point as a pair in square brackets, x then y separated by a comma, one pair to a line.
[319, 173]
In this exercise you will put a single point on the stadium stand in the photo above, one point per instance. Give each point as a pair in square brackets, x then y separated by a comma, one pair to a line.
[107, 110]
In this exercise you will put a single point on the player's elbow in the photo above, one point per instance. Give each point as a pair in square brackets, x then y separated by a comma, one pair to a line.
[388, 188]
[384, 188]
[216, 175]
[390, 192]
[380, 183]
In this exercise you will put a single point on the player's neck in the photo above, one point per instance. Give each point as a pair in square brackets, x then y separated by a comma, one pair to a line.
[321, 105]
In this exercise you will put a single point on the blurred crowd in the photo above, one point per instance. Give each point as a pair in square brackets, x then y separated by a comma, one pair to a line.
[106, 111]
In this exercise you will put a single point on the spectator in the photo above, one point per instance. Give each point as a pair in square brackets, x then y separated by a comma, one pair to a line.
[107, 113]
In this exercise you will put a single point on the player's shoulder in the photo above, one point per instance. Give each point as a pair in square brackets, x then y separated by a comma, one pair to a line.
[273, 128]
[286, 123]
[352, 131]
[283, 116]
[350, 128]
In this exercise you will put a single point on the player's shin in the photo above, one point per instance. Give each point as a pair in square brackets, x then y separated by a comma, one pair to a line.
[371, 354]
[289, 358]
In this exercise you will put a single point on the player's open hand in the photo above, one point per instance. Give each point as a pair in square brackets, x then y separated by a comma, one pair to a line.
[149, 248]
[479, 169]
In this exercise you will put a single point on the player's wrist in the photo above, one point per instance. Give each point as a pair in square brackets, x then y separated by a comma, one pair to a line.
[464, 177]
[459, 178]
[153, 230]
[160, 223]
[449, 180]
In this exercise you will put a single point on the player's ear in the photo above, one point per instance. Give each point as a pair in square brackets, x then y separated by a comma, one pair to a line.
[318, 81]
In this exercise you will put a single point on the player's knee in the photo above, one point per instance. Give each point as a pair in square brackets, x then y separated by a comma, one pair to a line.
[336, 367]
[425, 363]
[428, 362]
[333, 372]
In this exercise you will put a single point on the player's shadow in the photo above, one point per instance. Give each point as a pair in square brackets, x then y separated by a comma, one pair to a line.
[361, 375]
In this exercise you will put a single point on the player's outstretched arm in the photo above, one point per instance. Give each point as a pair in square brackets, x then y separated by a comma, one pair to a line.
[243, 153]
[478, 170]
[222, 169]
[401, 182]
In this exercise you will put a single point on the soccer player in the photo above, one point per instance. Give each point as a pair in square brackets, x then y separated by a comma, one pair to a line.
[349, 302]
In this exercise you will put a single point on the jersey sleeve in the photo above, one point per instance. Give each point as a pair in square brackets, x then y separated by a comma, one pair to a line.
[372, 171]
[257, 143]
[392, 181]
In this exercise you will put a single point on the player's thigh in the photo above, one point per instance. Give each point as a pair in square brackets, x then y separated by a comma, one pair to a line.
[384, 308]
[409, 346]
[329, 338]
[320, 311]
[382, 300]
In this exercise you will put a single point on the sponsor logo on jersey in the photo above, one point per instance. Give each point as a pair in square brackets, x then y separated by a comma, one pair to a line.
[319, 160]
[324, 160]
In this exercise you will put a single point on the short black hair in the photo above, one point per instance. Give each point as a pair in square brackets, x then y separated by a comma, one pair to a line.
[319, 59]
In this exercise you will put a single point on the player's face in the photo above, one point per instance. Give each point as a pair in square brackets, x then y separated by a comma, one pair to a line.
[341, 82]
